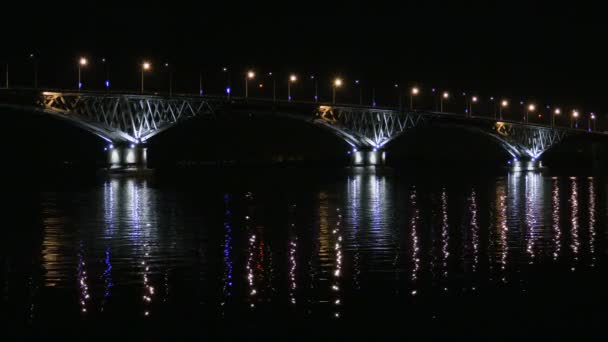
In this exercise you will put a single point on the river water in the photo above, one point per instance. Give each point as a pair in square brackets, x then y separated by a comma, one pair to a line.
[347, 253]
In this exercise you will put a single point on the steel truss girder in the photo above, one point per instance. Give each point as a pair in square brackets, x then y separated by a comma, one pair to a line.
[370, 127]
[531, 141]
[127, 118]
[367, 127]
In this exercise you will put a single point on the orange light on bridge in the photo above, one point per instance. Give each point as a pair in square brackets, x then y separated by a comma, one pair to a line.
[261, 85]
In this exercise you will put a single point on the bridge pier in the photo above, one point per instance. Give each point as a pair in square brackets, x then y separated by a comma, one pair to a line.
[127, 157]
[368, 158]
[526, 165]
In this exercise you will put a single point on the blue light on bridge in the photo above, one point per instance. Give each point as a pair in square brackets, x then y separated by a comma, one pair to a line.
[132, 145]
[374, 104]
[200, 92]
[228, 90]
[316, 97]
[79, 85]
[355, 149]
[111, 146]
[107, 84]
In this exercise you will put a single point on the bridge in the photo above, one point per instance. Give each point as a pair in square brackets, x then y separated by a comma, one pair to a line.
[127, 121]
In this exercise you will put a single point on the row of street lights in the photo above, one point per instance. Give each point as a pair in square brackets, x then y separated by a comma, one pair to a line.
[336, 83]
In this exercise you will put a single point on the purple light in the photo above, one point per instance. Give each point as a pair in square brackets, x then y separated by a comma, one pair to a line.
[200, 92]
[433, 90]
[79, 85]
[466, 110]
[227, 90]
[289, 98]
[107, 84]
[374, 104]
[316, 97]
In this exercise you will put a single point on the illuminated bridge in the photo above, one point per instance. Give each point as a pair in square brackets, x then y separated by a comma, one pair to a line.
[128, 121]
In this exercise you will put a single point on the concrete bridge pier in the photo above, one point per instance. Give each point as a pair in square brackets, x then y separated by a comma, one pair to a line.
[368, 158]
[526, 165]
[127, 157]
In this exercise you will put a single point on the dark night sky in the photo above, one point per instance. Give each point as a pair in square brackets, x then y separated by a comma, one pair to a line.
[552, 53]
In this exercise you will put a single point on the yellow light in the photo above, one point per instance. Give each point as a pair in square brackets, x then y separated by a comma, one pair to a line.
[531, 107]
[146, 65]
[338, 82]
[445, 95]
[557, 111]
[575, 113]
[250, 74]
[415, 91]
[504, 103]
[83, 61]
[474, 99]
[293, 78]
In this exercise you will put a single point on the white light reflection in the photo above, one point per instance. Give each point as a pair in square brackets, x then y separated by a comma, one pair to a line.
[354, 196]
[415, 242]
[557, 231]
[592, 221]
[503, 228]
[445, 237]
[474, 223]
[532, 205]
[337, 271]
[575, 243]
[227, 251]
[82, 281]
[292, 263]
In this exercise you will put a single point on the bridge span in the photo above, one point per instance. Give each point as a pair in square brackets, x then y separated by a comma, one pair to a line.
[128, 121]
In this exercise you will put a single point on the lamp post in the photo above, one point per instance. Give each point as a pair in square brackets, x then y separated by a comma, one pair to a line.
[106, 65]
[292, 79]
[574, 119]
[413, 92]
[474, 99]
[555, 112]
[168, 67]
[503, 104]
[531, 108]
[398, 95]
[443, 96]
[312, 77]
[82, 62]
[250, 75]
[200, 82]
[228, 90]
[373, 97]
[337, 83]
[145, 66]
[35, 62]
[360, 92]
[591, 119]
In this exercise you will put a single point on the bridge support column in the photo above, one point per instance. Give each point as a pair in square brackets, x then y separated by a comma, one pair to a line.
[365, 158]
[526, 165]
[131, 157]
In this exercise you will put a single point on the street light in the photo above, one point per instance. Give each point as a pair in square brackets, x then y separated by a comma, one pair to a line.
[337, 83]
[145, 66]
[444, 96]
[398, 94]
[574, 118]
[250, 76]
[555, 112]
[474, 99]
[591, 119]
[168, 66]
[292, 79]
[531, 108]
[312, 77]
[82, 62]
[503, 104]
[107, 69]
[228, 90]
[413, 93]
[274, 87]
[35, 62]
[360, 92]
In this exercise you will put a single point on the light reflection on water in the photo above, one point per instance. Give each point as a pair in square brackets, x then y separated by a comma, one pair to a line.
[320, 254]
